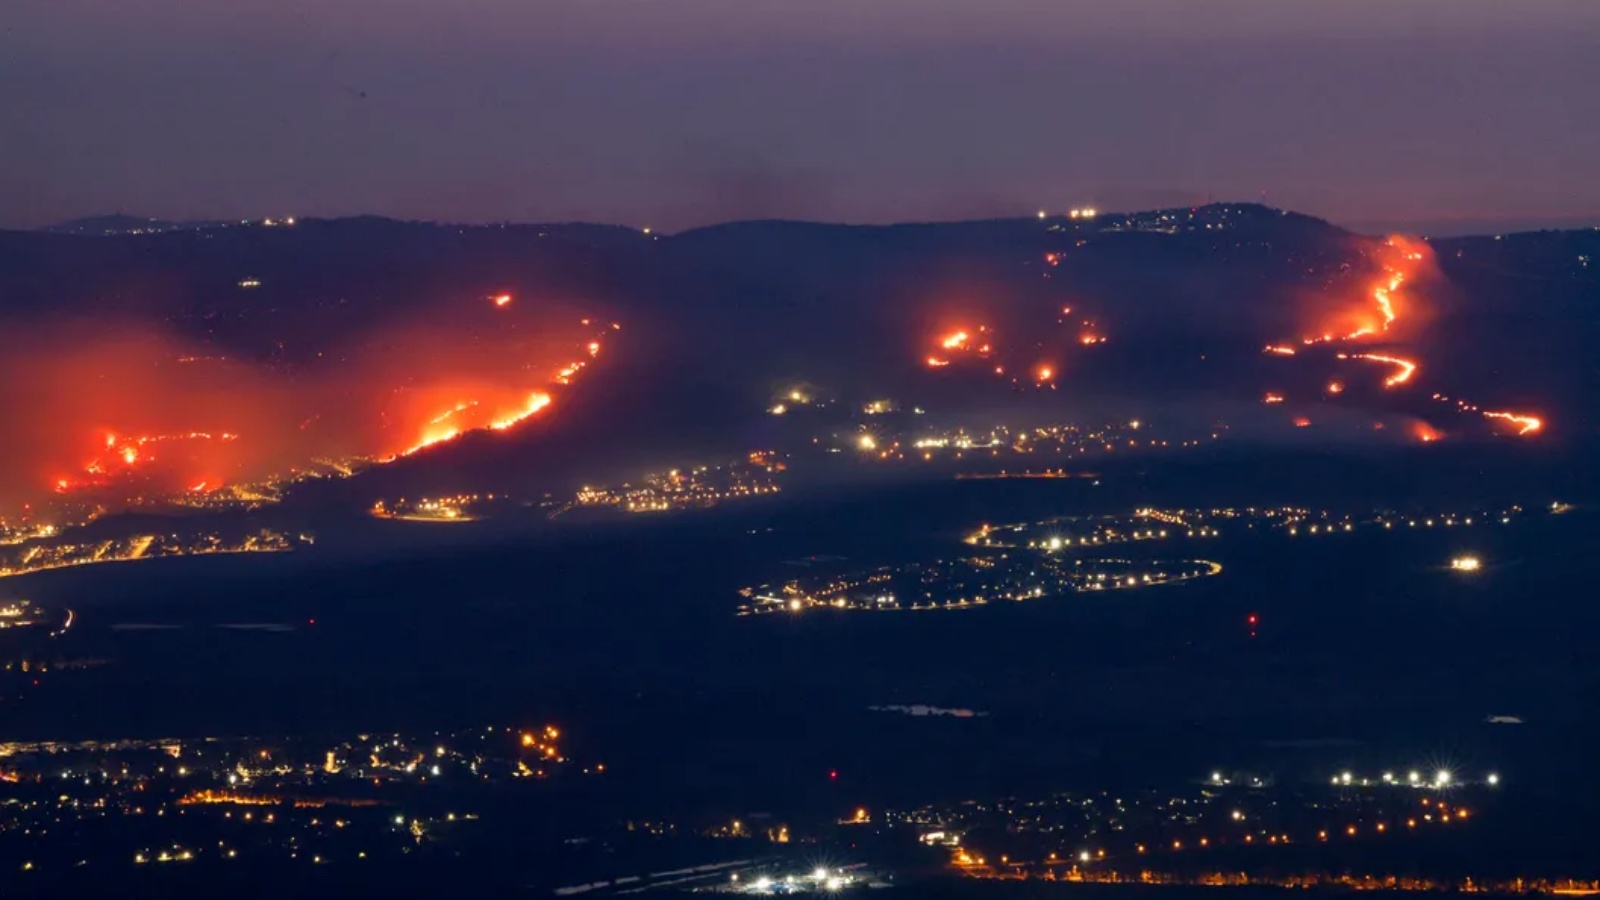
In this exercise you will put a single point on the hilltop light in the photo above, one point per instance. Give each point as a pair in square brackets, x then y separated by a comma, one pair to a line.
[1466, 564]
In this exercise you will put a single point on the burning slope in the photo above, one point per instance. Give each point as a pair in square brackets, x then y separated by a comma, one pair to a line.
[1401, 260]
[113, 415]
[978, 350]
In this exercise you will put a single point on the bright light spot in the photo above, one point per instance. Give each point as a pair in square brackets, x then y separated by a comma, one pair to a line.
[867, 442]
[502, 300]
[1466, 564]
[1493, 779]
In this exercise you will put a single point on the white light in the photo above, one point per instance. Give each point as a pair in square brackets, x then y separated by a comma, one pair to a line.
[763, 883]
[1084, 856]
[1388, 777]
[820, 874]
[1441, 777]
[1345, 777]
[1216, 777]
[1493, 779]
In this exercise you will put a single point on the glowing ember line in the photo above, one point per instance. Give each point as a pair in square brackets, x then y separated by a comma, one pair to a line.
[1279, 350]
[459, 408]
[1407, 367]
[1526, 424]
[536, 402]
[935, 362]
[564, 376]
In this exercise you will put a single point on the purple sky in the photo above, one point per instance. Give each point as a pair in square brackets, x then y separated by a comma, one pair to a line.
[673, 113]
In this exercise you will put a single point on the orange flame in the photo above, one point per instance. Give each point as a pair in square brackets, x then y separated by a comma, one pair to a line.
[1525, 424]
[1407, 368]
[1425, 433]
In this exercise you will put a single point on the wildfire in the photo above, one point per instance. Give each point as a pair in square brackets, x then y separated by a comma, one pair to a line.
[433, 434]
[1425, 433]
[502, 300]
[458, 408]
[960, 341]
[1525, 424]
[535, 403]
[1407, 368]
[126, 424]
[124, 454]
[1382, 296]
[1272, 398]
[1399, 259]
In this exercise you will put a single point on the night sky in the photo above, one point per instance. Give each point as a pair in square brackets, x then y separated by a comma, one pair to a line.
[1434, 115]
